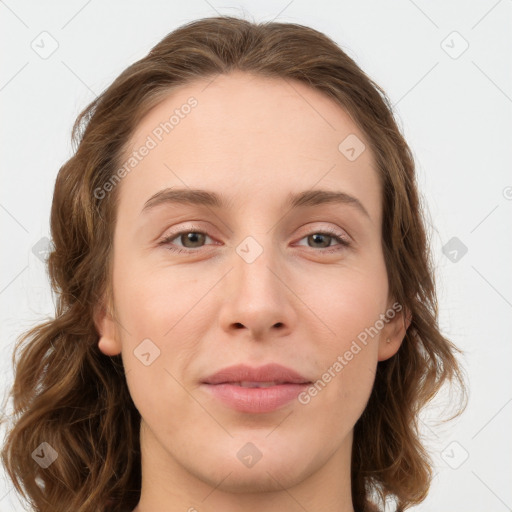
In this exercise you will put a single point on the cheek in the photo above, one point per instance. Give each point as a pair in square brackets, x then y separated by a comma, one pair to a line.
[159, 305]
[346, 350]
[152, 299]
[348, 302]
[156, 370]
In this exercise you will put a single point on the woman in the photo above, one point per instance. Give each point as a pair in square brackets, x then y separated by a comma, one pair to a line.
[247, 316]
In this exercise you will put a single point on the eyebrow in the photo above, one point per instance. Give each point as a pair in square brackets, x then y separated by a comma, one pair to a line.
[211, 199]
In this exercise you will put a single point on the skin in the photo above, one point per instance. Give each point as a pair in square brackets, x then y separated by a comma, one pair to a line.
[255, 140]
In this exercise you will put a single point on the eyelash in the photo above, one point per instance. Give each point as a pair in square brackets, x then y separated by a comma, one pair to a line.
[343, 242]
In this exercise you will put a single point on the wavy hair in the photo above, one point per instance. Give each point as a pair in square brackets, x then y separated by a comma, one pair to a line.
[68, 394]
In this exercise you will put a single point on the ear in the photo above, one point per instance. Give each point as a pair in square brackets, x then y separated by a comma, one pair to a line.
[105, 323]
[393, 333]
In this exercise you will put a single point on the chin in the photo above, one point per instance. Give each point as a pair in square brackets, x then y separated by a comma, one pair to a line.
[266, 479]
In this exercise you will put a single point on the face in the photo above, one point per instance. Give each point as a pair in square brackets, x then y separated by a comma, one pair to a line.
[200, 285]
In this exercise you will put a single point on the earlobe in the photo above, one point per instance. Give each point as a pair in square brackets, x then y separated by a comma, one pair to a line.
[393, 334]
[108, 342]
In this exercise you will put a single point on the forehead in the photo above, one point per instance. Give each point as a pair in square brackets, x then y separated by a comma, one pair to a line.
[251, 136]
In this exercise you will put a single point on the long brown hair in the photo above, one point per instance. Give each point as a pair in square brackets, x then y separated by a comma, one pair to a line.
[68, 394]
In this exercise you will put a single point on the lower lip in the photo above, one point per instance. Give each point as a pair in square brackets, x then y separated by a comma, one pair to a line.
[256, 400]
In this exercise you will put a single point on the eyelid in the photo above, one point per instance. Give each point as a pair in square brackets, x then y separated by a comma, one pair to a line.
[345, 240]
[338, 232]
[165, 239]
[191, 228]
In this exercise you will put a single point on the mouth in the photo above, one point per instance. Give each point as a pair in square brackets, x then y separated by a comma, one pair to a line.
[255, 397]
[255, 390]
[253, 384]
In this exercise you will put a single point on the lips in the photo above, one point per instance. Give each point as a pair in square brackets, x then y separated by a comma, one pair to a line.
[264, 376]
[247, 384]
[255, 390]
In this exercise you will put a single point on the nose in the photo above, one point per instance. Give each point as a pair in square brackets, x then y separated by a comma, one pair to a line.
[259, 302]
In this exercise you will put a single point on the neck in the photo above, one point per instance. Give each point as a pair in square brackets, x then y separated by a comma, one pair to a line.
[168, 486]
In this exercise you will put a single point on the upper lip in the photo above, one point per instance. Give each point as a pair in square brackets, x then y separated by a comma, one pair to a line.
[268, 373]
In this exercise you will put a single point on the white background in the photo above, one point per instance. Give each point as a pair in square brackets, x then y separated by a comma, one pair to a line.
[455, 111]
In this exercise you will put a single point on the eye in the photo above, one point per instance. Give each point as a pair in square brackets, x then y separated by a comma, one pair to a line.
[192, 239]
[322, 240]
